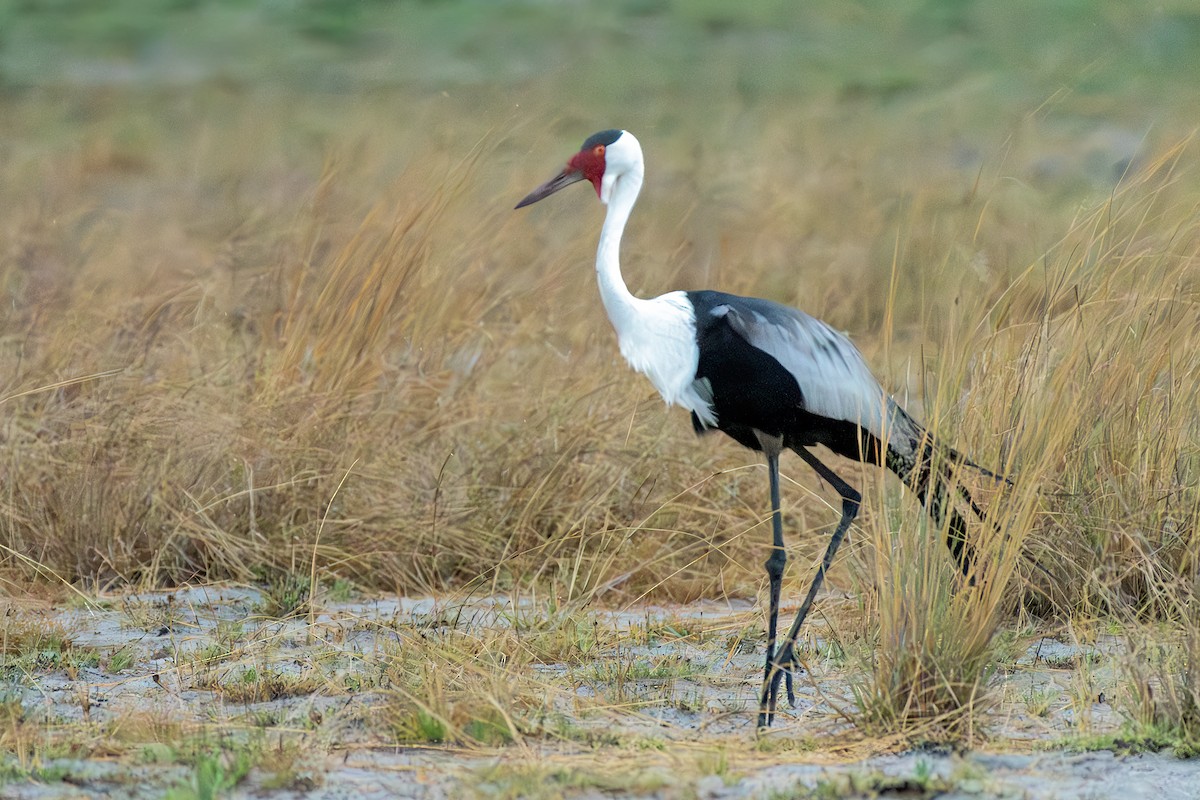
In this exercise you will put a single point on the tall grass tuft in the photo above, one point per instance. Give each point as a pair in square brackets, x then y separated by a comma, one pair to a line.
[1086, 369]
[1113, 360]
[390, 394]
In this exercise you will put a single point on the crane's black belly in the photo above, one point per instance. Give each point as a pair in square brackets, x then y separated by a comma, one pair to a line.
[754, 392]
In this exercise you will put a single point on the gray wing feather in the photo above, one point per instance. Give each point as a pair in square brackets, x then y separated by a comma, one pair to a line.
[832, 374]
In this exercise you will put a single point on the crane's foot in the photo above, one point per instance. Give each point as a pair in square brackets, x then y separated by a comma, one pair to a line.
[783, 665]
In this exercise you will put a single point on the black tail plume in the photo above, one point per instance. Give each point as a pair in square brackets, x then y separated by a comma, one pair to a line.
[929, 475]
[927, 466]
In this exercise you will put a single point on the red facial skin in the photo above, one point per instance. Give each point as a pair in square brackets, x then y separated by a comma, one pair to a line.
[591, 164]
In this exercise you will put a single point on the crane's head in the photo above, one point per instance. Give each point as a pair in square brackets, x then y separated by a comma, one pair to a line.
[604, 158]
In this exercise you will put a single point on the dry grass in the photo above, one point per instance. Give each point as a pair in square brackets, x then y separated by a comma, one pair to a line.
[389, 400]
[398, 358]
[1163, 697]
[328, 353]
[1086, 371]
[478, 432]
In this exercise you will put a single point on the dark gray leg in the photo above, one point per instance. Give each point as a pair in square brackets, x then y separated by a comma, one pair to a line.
[775, 564]
[784, 659]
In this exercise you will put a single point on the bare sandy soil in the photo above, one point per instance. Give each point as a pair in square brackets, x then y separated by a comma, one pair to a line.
[146, 671]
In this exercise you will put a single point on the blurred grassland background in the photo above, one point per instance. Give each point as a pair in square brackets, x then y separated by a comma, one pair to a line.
[264, 301]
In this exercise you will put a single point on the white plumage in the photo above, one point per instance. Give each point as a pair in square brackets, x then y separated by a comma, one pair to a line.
[662, 346]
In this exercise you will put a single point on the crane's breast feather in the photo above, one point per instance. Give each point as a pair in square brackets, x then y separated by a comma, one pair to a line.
[661, 345]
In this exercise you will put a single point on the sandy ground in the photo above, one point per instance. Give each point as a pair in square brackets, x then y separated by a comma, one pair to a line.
[1051, 691]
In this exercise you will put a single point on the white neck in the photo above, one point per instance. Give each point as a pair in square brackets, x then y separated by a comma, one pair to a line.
[657, 336]
[618, 302]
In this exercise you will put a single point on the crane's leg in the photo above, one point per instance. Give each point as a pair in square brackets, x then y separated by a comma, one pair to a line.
[785, 658]
[775, 564]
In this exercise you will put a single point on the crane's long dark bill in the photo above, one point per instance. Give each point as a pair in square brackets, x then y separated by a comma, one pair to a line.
[564, 178]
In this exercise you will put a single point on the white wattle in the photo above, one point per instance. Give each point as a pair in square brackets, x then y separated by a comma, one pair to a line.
[656, 336]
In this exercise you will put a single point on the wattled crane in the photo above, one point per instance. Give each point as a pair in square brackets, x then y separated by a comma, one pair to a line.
[771, 377]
